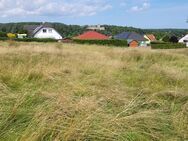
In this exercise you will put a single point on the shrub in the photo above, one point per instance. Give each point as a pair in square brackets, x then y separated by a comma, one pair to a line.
[173, 39]
[166, 45]
[11, 35]
[28, 39]
[119, 43]
[35, 40]
[3, 35]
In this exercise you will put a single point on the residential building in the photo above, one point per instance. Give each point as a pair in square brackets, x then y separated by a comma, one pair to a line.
[133, 39]
[184, 40]
[150, 38]
[44, 30]
[96, 27]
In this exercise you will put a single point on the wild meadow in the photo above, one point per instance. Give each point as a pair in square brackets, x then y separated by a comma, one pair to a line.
[70, 92]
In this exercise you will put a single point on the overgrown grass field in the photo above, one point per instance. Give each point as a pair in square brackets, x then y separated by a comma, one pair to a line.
[69, 92]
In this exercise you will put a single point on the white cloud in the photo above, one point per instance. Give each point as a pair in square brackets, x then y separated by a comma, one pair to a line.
[141, 7]
[9, 8]
[135, 5]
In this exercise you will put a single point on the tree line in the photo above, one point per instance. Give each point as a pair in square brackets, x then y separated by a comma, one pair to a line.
[73, 30]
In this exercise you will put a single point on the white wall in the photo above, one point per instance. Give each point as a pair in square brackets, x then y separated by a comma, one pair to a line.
[148, 40]
[53, 34]
[184, 38]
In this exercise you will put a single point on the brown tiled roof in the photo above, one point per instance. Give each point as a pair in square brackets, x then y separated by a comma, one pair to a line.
[151, 37]
[92, 35]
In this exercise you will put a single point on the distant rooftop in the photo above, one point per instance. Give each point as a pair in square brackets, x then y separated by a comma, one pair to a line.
[96, 27]
[130, 36]
[92, 35]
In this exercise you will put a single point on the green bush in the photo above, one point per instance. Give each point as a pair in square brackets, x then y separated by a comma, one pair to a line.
[118, 43]
[35, 40]
[11, 35]
[29, 39]
[166, 45]
[3, 35]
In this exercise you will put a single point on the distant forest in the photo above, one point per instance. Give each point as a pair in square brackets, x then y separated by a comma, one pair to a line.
[73, 30]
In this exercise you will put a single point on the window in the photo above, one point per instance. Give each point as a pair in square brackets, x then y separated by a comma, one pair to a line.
[44, 30]
[50, 30]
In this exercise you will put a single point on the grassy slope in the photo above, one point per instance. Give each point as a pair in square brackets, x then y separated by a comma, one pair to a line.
[79, 92]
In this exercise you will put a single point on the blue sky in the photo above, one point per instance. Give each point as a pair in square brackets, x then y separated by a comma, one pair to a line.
[136, 13]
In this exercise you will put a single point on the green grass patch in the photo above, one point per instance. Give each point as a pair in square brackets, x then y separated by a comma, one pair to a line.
[166, 45]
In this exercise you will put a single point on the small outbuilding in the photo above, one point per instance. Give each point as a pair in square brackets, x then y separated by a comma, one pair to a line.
[92, 35]
[21, 36]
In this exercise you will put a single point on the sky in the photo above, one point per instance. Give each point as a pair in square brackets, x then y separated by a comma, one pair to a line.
[135, 13]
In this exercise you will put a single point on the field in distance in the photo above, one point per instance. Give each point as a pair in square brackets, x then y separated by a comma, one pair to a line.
[68, 92]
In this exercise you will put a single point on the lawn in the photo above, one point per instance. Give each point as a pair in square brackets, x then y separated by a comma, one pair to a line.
[70, 92]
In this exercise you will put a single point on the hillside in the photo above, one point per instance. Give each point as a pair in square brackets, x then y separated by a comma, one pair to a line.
[55, 91]
[73, 30]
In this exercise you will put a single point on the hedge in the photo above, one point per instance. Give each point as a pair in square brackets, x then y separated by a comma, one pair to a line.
[3, 38]
[30, 40]
[35, 40]
[166, 45]
[118, 43]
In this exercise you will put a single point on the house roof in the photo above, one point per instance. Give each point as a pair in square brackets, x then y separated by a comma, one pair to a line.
[130, 36]
[185, 38]
[151, 37]
[33, 29]
[30, 29]
[133, 41]
[92, 35]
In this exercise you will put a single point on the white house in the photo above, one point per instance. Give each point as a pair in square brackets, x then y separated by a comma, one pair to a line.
[42, 31]
[184, 40]
[95, 27]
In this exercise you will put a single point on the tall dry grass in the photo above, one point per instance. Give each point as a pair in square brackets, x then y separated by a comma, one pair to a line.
[77, 92]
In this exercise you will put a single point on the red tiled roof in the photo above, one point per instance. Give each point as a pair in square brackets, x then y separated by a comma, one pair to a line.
[92, 35]
[151, 37]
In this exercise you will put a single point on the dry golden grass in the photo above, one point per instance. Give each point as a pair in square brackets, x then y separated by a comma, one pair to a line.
[55, 91]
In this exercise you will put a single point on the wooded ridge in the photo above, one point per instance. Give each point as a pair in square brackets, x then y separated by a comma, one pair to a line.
[73, 30]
